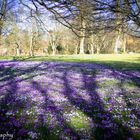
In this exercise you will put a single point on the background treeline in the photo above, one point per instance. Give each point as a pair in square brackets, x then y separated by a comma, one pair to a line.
[69, 27]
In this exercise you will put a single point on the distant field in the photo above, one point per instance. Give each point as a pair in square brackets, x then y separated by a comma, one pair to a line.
[118, 61]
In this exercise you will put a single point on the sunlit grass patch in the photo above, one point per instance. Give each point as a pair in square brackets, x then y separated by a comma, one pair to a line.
[107, 83]
[78, 120]
[129, 84]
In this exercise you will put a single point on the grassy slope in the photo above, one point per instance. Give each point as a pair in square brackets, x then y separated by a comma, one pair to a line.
[119, 61]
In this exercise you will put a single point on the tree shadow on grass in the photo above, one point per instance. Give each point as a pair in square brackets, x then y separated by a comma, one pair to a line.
[57, 117]
[30, 108]
[105, 126]
[131, 96]
[10, 105]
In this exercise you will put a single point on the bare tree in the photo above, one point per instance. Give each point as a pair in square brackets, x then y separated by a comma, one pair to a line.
[85, 18]
[82, 17]
[129, 11]
[5, 7]
[33, 34]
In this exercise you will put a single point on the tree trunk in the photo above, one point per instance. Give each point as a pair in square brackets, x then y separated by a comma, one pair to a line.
[54, 49]
[45, 50]
[17, 50]
[4, 52]
[82, 40]
[0, 35]
[98, 49]
[31, 53]
[76, 49]
[117, 44]
[119, 32]
[66, 48]
[124, 44]
[92, 49]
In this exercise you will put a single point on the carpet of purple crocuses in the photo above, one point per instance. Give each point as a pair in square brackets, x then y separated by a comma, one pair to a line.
[68, 101]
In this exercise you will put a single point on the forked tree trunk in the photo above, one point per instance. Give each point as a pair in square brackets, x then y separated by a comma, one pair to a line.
[82, 38]
[119, 32]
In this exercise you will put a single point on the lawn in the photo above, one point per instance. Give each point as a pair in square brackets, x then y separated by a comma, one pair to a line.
[45, 99]
[117, 61]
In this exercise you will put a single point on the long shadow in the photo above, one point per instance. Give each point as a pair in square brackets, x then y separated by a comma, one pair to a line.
[14, 107]
[14, 103]
[131, 97]
[9, 106]
[135, 110]
[55, 111]
[123, 77]
[95, 110]
[6, 73]
[105, 127]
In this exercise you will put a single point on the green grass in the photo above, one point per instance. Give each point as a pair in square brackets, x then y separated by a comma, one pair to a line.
[117, 61]
[79, 120]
